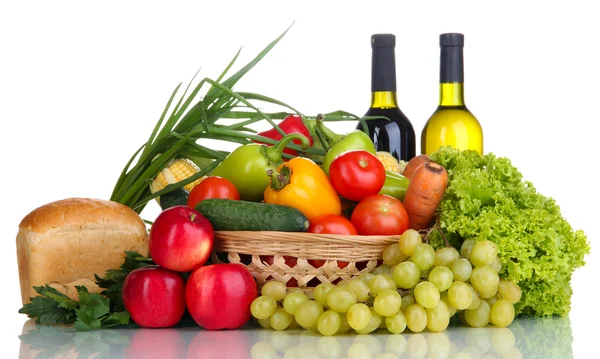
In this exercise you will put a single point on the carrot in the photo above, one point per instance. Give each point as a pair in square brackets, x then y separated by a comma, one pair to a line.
[413, 164]
[424, 194]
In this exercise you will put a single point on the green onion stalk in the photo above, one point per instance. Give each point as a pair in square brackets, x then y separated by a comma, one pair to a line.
[183, 124]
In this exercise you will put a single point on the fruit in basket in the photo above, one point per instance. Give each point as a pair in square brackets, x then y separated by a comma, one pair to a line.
[212, 187]
[424, 194]
[247, 166]
[300, 183]
[154, 297]
[181, 239]
[230, 215]
[289, 261]
[390, 162]
[357, 174]
[395, 185]
[219, 296]
[355, 140]
[380, 215]
[290, 124]
[414, 164]
[331, 224]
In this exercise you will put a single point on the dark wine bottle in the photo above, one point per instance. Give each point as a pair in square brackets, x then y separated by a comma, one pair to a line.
[395, 133]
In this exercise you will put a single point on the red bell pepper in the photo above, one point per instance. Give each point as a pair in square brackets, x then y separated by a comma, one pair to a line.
[290, 124]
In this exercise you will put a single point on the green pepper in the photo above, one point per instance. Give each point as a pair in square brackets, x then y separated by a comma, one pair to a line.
[395, 185]
[355, 140]
[247, 166]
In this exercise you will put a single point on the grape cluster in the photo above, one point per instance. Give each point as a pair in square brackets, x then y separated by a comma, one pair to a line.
[417, 288]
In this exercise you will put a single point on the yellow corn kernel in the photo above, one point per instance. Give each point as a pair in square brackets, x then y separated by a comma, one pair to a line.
[389, 162]
[174, 172]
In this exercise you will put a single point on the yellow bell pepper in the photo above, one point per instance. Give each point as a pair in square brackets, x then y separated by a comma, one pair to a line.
[302, 184]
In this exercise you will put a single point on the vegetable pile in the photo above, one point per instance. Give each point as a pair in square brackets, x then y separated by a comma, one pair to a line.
[487, 199]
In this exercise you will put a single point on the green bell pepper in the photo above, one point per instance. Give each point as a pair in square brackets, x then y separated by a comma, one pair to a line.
[395, 185]
[247, 166]
[355, 140]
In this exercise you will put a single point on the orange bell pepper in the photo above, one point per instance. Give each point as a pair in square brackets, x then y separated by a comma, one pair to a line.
[302, 184]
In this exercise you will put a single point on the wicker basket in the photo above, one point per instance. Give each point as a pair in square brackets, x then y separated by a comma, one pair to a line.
[300, 259]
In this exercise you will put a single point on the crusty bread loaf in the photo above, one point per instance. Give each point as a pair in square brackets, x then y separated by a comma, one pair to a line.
[64, 243]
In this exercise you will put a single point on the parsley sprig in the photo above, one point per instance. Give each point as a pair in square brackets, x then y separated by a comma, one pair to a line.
[92, 310]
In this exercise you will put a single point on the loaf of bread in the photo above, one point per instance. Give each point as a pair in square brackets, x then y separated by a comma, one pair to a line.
[64, 243]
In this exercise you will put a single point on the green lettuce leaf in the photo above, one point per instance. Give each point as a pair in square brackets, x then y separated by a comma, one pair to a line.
[487, 198]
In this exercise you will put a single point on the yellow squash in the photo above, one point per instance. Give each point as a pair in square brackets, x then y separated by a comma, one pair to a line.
[302, 184]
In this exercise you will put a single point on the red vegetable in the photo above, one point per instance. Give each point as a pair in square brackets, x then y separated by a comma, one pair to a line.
[212, 187]
[380, 215]
[290, 124]
[356, 175]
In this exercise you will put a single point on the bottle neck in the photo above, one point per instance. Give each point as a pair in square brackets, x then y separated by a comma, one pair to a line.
[383, 78]
[383, 70]
[383, 99]
[451, 76]
[452, 94]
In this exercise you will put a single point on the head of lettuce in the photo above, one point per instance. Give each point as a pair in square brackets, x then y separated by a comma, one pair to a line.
[487, 198]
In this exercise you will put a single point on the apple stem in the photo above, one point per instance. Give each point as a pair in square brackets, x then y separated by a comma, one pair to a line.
[193, 217]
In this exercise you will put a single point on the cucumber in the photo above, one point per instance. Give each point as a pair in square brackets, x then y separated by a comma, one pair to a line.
[231, 215]
[176, 197]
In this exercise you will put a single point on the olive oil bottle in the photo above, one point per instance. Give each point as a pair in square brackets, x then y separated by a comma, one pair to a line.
[452, 124]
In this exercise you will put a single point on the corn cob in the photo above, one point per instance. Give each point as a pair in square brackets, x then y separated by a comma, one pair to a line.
[174, 172]
[390, 163]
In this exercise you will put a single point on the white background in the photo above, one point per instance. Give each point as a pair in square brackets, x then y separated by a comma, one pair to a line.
[83, 83]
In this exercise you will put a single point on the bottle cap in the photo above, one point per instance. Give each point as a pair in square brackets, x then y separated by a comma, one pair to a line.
[383, 40]
[452, 39]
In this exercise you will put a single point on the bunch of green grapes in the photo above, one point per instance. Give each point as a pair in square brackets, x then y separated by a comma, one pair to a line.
[416, 288]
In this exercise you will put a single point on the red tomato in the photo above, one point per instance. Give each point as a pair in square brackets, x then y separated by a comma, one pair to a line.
[356, 175]
[380, 215]
[212, 187]
[331, 224]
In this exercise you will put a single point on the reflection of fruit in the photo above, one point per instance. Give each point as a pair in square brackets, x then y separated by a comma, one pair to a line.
[218, 296]
[156, 344]
[230, 344]
[289, 261]
[181, 239]
[155, 297]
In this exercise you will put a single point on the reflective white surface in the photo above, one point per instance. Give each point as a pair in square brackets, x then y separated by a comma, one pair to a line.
[525, 338]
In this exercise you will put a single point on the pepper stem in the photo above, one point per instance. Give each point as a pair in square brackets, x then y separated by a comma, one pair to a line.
[273, 153]
[331, 137]
[280, 179]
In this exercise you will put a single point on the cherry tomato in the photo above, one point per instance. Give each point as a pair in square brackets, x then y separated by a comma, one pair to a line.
[356, 175]
[330, 224]
[380, 215]
[212, 187]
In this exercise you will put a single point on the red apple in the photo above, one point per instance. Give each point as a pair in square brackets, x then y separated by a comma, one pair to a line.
[181, 239]
[155, 297]
[218, 296]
